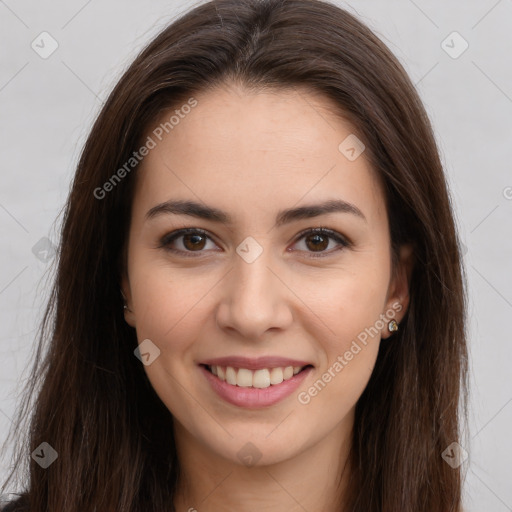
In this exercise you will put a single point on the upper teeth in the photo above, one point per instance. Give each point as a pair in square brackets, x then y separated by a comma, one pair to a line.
[254, 378]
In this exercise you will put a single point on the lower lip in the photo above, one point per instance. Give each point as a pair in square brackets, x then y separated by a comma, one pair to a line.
[254, 398]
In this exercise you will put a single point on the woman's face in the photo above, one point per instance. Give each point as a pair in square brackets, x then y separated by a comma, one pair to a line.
[256, 294]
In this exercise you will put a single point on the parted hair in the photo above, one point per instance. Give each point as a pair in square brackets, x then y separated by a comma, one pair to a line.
[89, 397]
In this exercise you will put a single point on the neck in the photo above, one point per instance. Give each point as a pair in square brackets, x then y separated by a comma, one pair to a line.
[314, 479]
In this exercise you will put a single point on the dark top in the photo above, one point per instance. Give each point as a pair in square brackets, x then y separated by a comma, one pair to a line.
[18, 505]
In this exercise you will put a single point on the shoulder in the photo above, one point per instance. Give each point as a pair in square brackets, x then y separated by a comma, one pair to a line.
[19, 504]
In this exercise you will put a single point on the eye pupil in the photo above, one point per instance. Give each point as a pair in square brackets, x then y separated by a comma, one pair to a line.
[319, 245]
[195, 237]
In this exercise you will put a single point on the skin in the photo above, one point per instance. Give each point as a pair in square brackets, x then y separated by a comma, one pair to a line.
[251, 155]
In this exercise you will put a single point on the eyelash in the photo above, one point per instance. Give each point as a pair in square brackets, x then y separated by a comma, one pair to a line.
[170, 237]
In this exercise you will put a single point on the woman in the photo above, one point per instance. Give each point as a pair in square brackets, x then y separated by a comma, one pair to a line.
[311, 355]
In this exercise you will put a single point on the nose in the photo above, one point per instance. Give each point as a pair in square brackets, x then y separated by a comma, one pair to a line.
[255, 298]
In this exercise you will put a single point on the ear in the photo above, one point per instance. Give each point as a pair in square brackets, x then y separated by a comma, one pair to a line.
[129, 315]
[397, 301]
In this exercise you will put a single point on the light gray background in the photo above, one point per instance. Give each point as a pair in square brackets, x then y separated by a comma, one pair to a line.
[48, 105]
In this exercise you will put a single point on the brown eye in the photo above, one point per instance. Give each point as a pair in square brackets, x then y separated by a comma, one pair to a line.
[318, 239]
[318, 242]
[189, 240]
[193, 241]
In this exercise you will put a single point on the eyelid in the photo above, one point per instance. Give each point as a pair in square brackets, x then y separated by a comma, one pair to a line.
[342, 240]
[325, 231]
[170, 237]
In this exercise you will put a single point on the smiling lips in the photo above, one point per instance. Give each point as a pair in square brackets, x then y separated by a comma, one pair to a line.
[254, 383]
[257, 373]
[246, 378]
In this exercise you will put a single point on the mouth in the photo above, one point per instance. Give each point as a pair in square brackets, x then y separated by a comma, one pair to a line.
[261, 378]
[267, 381]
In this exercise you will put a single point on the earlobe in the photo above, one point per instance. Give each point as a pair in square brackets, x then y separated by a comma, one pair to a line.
[398, 298]
[129, 316]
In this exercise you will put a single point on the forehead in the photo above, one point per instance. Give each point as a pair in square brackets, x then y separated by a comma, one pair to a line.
[249, 152]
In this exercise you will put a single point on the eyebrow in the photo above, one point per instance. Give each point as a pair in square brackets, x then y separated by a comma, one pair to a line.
[201, 211]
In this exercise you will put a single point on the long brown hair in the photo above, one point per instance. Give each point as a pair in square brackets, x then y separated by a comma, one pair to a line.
[89, 397]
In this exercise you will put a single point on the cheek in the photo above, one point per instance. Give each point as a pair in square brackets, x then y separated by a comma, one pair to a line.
[349, 354]
[352, 302]
[167, 311]
[171, 306]
[170, 314]
[351, 308]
